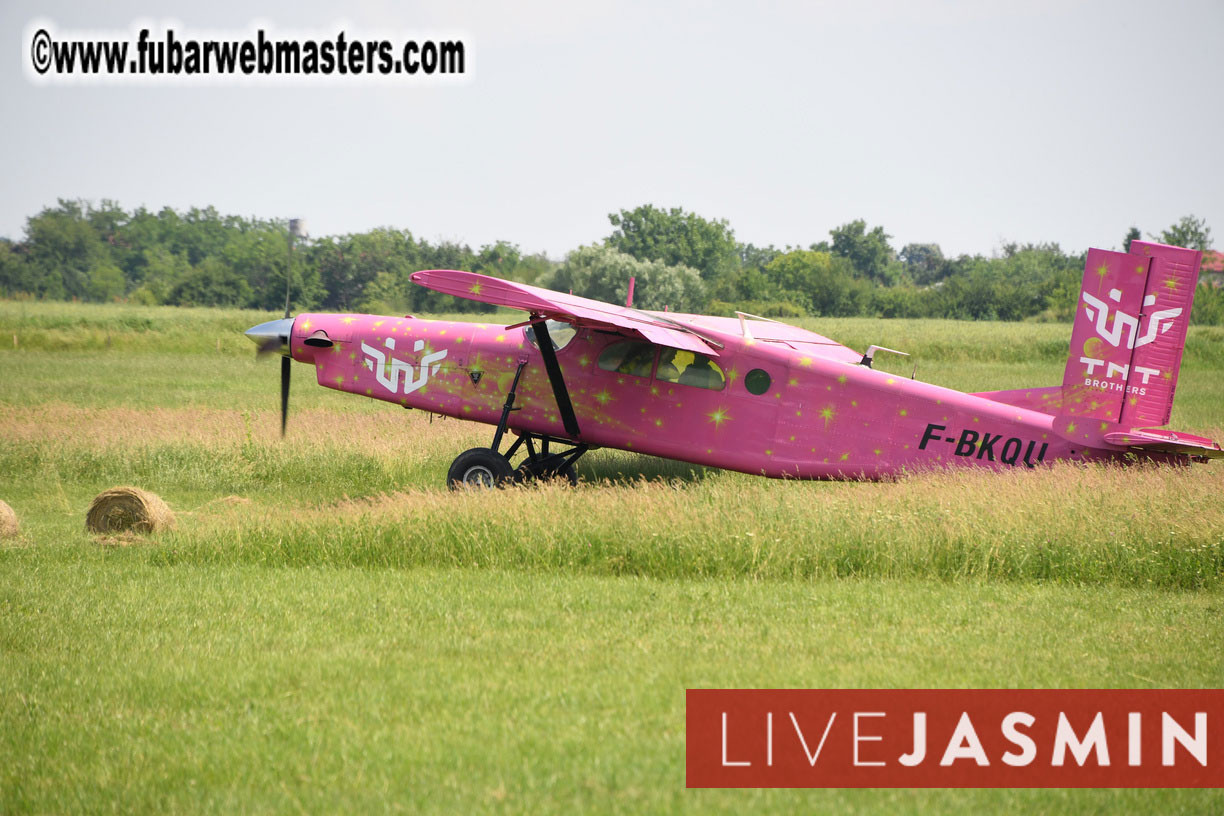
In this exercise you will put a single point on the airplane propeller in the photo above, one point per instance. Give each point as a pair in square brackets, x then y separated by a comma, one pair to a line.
[285, 363]
[273, 337]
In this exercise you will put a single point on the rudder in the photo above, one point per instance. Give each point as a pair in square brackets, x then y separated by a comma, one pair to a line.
[1168, 298]
[1129, 334]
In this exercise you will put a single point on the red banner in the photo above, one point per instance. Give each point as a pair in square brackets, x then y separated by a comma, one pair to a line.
[954, 738]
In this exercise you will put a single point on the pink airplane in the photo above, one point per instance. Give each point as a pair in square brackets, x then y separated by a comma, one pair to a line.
[756, 395]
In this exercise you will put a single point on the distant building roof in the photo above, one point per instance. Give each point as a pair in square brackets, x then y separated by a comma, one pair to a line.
[1213, 261]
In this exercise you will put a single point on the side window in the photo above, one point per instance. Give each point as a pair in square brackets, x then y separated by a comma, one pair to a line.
[689, 368]
[560, 334]
[628, 357]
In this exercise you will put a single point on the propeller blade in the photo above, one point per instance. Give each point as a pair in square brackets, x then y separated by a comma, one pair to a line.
[285, 364]
[273, 338]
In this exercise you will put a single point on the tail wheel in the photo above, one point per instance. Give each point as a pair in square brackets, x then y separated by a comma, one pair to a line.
[479, 468]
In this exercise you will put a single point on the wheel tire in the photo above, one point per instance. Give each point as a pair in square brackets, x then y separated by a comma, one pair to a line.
[479, 468]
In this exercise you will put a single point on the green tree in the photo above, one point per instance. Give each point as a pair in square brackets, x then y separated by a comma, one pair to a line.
[1132, 234]
[16, 276]
[499, 259]
[259, 254]
[1208, 306]
[107, 219]
[757, 257]
[968, 293]
[675, 238]
[62, 249]
[818, 282]
[1026, 280]
[897, 301]
[203, 233]
[445, 255]
[160, 271]
[106, 283]
[749, 283]
[603, 273]
[867, 250]
[1189, 232]
[924, 263]
[535, 268]
[210, 283]
[349, 264]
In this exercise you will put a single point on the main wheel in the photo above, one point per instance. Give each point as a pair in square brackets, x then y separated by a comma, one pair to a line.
[479, 468]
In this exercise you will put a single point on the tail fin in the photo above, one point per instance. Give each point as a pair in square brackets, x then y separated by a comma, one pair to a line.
[1129, 333]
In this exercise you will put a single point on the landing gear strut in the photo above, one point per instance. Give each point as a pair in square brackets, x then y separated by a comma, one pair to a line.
[543, 464]
[485, 467]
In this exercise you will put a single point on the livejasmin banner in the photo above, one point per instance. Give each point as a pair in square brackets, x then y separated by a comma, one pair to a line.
[955, 738]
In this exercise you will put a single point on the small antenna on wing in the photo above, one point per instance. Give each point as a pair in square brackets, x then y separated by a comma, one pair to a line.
[629, 299]
[743, 319]
[870, 355]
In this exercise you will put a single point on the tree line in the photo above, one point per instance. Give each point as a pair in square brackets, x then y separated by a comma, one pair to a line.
[680, 260]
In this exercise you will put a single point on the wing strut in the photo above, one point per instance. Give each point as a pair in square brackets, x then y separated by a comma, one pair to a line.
[507, 408]
[564, 406]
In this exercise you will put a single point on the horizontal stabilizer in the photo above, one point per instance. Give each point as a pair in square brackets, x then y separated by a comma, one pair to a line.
[1155, 439]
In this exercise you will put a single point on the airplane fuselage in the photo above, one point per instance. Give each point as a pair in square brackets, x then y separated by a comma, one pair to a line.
[767, 408]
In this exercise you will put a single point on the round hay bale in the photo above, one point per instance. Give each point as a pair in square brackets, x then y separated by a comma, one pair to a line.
[128, 509]
[8, 521]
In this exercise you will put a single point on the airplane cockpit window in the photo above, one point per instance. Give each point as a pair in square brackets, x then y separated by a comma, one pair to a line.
[690, 368]
[628, 357]
[560, 334]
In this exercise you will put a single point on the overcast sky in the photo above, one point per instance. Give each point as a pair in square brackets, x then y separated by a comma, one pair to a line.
[963, 123]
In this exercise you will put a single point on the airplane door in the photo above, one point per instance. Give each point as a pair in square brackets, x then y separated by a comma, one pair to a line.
[723, 410]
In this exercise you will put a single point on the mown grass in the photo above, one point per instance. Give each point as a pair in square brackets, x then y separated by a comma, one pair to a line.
[328, 628]
[139, 688]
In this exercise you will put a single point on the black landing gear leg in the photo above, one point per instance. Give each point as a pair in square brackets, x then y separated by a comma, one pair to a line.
[486, 467]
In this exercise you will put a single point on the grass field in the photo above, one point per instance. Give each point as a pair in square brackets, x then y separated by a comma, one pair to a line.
[329, 629]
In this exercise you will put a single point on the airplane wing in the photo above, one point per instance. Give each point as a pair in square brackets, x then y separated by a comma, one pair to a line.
[769, 331]
[579, 311]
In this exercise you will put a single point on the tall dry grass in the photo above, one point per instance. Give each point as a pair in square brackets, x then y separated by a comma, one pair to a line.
[1099, 524]
[367, 489]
